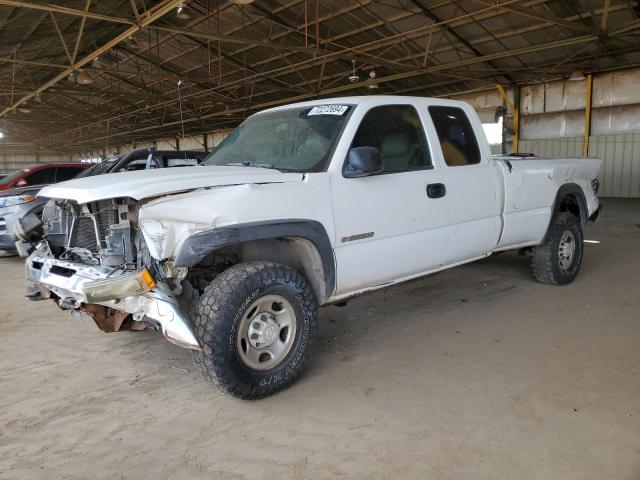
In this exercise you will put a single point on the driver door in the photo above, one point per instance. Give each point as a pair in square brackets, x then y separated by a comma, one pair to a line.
[387, 226]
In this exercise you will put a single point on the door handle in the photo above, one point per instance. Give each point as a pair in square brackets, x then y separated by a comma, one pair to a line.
[436, 190]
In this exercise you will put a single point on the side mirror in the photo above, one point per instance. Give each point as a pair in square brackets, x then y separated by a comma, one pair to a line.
[362, 162]
[22, 183]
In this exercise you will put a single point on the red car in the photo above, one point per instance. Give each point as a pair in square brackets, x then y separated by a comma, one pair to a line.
[42, 175]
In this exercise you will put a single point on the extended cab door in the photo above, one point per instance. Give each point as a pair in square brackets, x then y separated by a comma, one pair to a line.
[390, 225]
[472, 182]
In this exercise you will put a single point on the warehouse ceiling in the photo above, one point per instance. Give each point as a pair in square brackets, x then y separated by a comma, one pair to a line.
[86, 74]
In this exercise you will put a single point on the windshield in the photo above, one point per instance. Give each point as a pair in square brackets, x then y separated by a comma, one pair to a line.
[296, 139]
[98, 169]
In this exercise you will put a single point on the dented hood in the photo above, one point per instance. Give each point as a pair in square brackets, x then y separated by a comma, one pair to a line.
[152, 183]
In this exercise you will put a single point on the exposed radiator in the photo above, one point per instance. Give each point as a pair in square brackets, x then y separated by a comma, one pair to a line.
[84, 234]
[106, 216]
[84, 231]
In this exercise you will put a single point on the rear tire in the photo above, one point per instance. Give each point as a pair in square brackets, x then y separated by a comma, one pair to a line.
[557, 260]
[256, 322]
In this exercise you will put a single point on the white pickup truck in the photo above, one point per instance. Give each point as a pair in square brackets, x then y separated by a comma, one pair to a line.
[302, 205]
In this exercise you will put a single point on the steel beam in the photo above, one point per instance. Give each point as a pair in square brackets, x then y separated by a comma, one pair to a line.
[434, 69]
[543, 17]
[50, 7]
[237, 40]
[151, 16]
[344, 88]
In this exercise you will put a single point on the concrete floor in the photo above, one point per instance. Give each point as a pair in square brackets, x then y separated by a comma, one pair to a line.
[475, 373]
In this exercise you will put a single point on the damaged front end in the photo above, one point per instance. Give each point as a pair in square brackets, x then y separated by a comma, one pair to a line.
[92, 258]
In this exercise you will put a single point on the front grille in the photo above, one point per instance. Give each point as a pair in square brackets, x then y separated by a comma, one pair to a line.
[3, 225]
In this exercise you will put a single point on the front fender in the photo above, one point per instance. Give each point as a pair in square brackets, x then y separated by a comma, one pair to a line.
[197, 246]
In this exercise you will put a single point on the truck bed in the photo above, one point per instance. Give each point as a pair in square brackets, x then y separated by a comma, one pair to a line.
[530, 188]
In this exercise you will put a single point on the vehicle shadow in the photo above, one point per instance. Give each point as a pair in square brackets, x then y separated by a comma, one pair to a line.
[373, 320]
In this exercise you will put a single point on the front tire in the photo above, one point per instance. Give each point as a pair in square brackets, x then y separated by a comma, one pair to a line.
[557, 260]
[256, 322]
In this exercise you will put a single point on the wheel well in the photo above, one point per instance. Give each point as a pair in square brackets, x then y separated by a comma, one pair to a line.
[570, 204]
[570, 198]
[296, 252]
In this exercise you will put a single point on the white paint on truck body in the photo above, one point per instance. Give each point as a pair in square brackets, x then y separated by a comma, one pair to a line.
[394, 231]
[144, 184]
[530, 191]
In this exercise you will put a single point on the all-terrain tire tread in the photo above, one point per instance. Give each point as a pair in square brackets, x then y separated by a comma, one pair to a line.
[544, 256]
[215, 310]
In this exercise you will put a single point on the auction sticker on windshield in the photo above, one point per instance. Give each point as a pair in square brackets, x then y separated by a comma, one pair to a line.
[328, 110]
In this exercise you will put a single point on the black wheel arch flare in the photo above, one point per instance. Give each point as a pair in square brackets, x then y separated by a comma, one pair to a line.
[576, 191]
[197, 246]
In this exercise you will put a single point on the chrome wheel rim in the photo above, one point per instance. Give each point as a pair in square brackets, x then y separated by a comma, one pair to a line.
[266, 332]
[567, 249]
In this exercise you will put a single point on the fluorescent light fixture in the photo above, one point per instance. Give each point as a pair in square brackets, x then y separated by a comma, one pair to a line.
[182, 13]
[576, 76]
[84, 78]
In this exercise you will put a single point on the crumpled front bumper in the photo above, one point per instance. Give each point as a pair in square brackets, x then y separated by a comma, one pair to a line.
[67, 279]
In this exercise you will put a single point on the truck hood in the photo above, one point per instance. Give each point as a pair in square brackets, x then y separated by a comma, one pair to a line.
[153, 183]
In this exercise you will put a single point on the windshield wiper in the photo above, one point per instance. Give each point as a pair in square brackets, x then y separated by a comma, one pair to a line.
[247, 163]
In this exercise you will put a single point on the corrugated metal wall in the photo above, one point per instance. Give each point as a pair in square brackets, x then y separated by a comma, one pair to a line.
[620, 172]
[189, 142]
[620, 155]
[15, 161]
[552, 124]
[553, 147]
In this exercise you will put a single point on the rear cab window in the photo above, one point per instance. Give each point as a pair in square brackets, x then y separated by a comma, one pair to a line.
[457, 139]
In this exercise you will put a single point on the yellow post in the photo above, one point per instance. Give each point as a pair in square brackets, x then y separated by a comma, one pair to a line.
[516, 117]
[587, 117]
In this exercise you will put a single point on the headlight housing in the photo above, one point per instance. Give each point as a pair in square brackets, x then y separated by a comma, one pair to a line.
[122, 286]
[595, 185]
[155, 235]
[163, 236]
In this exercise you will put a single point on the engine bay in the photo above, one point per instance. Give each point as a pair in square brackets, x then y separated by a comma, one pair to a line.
[98, 233]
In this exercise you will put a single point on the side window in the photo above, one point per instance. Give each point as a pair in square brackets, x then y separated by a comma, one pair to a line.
[67, 173]
[397, 132]
[42, 177]
[457, 138]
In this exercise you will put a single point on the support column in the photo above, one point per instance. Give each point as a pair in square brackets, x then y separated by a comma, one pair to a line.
[587, 117]
[514, 114]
